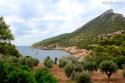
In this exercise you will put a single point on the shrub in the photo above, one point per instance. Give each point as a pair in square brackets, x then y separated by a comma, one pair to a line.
[31, 62]
[108, 67]
[119, 61]
[48, 62]
[69, 69]
[22, 60]
[73, 75]
[83, 77]
[89, 65]
[20, 76]
[62, 63]
[25, 67]
[35, 62]
[78, 67]
[3, 72]
[42, 76]
[74, 61]
[12, 59]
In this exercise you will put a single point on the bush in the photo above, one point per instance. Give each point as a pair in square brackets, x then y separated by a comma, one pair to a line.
[20, 76]
[62, 63]
[42, 76]
[83, 77]
[22, 60]
[78, 67]
[108, 67]
[35, 62]
[12, 60]
[25, 67]
[119, 61]
[31, 62]
[89, 65]
[48, 62]
[73, 75]
[74, 61]
[3, 72]
[68, 69]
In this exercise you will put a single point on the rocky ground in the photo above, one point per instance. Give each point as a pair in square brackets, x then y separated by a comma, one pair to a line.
[77, 52]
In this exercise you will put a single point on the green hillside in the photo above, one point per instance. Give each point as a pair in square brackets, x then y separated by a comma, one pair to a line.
[105, 23]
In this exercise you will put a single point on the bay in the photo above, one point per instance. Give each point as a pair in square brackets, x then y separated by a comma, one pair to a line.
[41, 54]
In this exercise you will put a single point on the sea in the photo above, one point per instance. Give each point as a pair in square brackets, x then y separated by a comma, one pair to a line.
[41, 54]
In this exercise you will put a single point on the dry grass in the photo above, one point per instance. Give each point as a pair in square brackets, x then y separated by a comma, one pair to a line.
[99, 77]
[59, 73]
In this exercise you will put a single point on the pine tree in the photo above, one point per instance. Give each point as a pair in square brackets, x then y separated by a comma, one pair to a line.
[6, 48]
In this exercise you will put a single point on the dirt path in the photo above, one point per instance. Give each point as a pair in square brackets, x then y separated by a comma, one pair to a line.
[59, 73]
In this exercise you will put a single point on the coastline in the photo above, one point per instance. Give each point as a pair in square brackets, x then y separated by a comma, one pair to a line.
[73, 50]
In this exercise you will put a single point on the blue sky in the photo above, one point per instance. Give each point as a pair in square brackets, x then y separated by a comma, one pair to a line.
[34, 20]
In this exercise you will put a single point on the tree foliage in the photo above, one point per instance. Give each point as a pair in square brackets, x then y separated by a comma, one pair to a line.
[89, 65]
[68, 69]
[42, 76]
[83, 77]
[6, 48]
[48, 62]
[108, 67]
[62, 63]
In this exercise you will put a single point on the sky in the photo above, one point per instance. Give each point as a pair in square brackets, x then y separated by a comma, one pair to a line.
[35, 20]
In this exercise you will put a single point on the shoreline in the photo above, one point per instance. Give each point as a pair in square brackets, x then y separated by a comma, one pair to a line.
[73, 50]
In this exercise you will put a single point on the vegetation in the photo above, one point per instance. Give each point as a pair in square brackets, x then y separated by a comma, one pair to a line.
[12, 72]
[83, 77]
[108, 22]
[62, 63]
[111, 56]
[69, 69]
[48, 62]
[42, 76]
[20, 76]
[104, 35]
[6, 48]
[14, 68]
[108, 67]
[89, 65]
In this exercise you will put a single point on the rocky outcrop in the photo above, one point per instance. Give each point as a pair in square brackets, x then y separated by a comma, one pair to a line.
[77, 52]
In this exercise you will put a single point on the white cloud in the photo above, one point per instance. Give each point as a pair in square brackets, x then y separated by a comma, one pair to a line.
[40, 19]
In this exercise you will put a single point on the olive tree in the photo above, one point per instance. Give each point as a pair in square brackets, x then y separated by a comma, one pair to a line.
[108, 67]
[48, 62]
[83, 77]
[68, 69]
[89, 65]
[62, 63]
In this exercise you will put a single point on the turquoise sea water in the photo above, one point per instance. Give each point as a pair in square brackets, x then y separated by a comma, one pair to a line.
[41, 54]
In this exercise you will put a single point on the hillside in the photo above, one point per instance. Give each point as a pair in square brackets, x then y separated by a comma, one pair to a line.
[107, 22]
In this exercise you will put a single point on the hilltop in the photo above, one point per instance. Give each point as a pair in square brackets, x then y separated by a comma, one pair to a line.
[107, 22]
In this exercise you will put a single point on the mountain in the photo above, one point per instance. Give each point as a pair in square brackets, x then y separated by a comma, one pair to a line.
[107, 22]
